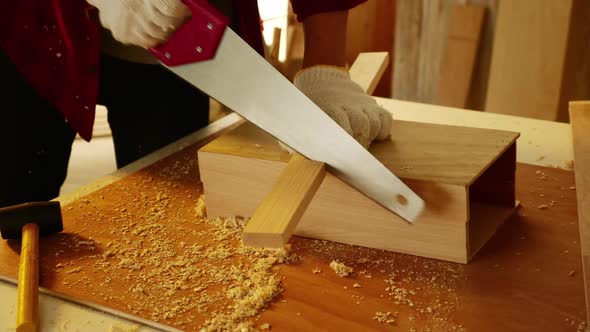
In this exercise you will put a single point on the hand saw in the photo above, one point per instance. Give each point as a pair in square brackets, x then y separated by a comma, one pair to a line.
[205, 52]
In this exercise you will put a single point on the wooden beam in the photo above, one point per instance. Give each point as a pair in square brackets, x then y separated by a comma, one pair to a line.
[460, 55]
[277, 216]
[368, 69]
[580, 120]
[275, 219]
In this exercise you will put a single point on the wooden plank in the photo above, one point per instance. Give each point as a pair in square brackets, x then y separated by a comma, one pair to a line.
[277, 216]
[406, 56]
[368, 68]
[580, 119]
[421, 29]
[533, 45]
[460, 56]
[575, 84]
[417, 151]
[275, 219]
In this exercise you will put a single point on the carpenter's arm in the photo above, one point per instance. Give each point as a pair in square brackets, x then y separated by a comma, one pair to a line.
[325, 39]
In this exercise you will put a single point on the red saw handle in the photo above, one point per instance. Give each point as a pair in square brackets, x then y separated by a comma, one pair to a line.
[197, 39]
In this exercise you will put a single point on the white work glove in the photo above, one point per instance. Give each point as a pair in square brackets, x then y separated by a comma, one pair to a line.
[332, 90]
[144, 23]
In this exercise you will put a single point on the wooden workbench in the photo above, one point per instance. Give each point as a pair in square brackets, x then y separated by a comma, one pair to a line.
[528, 277]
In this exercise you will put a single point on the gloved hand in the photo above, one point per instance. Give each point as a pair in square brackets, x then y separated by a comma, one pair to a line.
[332, 90]
[144, 23]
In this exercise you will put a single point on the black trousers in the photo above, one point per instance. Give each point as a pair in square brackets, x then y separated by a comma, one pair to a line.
[148, 108]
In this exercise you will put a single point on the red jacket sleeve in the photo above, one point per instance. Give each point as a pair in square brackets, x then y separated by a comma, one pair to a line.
[305, 8]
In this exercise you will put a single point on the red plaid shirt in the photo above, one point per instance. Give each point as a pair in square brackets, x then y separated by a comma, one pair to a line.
[54, 44]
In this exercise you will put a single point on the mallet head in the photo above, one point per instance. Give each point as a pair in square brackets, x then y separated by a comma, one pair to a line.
[45, 214]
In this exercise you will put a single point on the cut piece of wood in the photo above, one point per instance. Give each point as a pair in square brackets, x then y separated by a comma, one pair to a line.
[368, 69]
[538, 58]
[442, 164]
[460, 55]
[275, 219]
[580, 120]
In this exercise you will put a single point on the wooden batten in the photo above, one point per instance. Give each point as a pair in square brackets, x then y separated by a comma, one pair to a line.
[454, 169]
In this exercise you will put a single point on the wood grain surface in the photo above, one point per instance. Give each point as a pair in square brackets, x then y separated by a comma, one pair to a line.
[418, 151]
[527, 278]
[274, 221]
[460, 55]
[580, 119]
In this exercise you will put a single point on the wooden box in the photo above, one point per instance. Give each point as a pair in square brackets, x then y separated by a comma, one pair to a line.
[465, 175]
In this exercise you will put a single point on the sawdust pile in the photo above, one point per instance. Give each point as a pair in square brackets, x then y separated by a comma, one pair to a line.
[340, 269]
[168, 279]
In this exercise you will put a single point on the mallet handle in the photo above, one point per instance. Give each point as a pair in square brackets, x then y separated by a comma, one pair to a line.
[27, 314]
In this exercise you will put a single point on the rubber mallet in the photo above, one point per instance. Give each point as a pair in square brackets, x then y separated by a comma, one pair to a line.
[26, 221]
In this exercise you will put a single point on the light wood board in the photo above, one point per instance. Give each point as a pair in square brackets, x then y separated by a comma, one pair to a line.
[275, 219]
[460, 56]
[580, 119]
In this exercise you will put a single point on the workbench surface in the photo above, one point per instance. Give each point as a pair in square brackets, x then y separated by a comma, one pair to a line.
[527, 278]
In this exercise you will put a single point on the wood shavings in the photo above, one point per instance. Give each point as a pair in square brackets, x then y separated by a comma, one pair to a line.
[74, 270]
[265, 326]
[385, 317]
[341, 269]
[543, 207]
[214, 280]
[316, 270]
[356, 285]
[200, 208]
